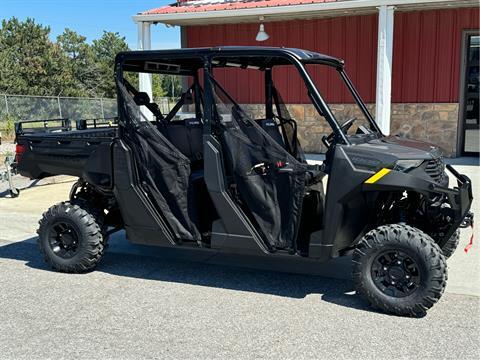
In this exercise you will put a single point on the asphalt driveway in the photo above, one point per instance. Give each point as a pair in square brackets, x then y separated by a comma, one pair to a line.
[154, 303]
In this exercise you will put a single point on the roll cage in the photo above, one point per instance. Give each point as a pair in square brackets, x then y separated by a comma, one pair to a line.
[200, 62]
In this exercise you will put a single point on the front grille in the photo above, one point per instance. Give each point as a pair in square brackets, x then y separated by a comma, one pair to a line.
[436, 170]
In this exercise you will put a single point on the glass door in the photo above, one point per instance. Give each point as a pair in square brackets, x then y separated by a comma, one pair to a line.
[471, 105]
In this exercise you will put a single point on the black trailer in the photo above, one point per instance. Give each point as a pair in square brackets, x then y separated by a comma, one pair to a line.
[225, 180]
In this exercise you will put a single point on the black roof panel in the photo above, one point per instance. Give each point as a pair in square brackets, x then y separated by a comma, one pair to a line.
[261, 56]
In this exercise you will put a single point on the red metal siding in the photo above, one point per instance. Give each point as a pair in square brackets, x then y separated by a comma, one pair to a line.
[426, 54]
[351, 38]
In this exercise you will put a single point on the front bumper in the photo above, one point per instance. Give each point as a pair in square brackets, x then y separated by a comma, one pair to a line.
[460, 197]
[464, 198]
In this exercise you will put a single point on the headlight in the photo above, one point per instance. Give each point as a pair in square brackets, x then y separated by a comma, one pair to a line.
[405, 165]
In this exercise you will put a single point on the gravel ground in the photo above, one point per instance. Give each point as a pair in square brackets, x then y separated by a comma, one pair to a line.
[7, 146]
[20, 182]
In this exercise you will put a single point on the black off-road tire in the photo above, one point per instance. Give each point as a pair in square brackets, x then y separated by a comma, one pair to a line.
[87, 232]
[449, 247]
[421, 249]
[99, 217]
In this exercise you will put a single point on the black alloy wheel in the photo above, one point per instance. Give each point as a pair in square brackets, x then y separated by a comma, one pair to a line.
[63, 239]
[395, 273]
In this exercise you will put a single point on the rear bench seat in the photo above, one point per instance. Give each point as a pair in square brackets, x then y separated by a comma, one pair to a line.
[187, 136]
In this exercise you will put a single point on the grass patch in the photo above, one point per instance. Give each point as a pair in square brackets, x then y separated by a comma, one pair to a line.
[7, 126]
[7, 138]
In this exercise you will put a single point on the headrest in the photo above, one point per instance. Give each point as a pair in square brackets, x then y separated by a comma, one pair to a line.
[141, 98]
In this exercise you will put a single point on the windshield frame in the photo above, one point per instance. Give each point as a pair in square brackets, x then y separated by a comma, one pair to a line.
[360, 101]
[317, 100]
[351, 88]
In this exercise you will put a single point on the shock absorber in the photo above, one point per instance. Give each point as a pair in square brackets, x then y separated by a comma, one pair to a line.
[402, 216]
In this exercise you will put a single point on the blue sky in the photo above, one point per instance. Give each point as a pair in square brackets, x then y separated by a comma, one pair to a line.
[91, 17]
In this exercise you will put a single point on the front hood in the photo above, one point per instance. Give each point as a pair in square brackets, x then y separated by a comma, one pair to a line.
[402, 148]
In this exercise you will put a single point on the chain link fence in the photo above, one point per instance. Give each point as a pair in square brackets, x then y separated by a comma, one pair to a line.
[26, 107]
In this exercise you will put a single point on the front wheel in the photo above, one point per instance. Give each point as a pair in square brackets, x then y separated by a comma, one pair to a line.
[400, 270]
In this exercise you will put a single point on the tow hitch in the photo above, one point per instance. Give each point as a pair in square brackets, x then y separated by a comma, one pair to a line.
[7, 175]
[467, 220]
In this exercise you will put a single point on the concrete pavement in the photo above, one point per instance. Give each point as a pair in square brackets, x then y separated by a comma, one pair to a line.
[145, 302]
[137, 306]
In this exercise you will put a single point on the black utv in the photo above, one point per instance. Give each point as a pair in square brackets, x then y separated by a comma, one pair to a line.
[214, 174]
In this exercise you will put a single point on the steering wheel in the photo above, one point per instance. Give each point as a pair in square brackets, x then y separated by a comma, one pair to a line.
[327, 140]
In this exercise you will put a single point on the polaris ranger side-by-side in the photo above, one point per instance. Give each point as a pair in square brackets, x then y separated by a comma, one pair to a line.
[208, 174]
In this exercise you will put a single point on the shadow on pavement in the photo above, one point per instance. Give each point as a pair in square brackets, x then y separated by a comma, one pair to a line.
[217, 270]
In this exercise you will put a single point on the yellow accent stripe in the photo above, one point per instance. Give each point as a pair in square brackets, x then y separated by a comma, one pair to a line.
[374, 178]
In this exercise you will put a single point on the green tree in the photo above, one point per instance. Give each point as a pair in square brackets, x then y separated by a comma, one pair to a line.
[30, 63]
[172, 85]
[82, 65]
[104, 50]
[157, 86]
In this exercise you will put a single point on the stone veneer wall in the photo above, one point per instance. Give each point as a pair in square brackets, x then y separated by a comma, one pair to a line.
[435, 123]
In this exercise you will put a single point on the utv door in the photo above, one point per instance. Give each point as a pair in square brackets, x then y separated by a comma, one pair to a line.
[161, 172]
[262, 177]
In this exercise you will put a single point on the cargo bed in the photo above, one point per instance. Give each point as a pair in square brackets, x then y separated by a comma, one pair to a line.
[83, 151]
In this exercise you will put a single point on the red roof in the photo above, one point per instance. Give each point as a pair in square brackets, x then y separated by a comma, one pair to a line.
[200, 6]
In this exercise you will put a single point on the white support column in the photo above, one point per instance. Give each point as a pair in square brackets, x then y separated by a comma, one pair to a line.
[145, 80]
[384, 68]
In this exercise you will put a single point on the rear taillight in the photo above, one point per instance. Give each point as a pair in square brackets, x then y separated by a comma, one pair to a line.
[19, 151]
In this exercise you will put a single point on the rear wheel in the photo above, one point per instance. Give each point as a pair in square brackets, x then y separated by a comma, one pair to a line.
[99, 217]
[399, 269]
[70, 239]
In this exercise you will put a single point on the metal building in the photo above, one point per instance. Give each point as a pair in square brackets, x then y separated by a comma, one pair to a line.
[415, 62]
